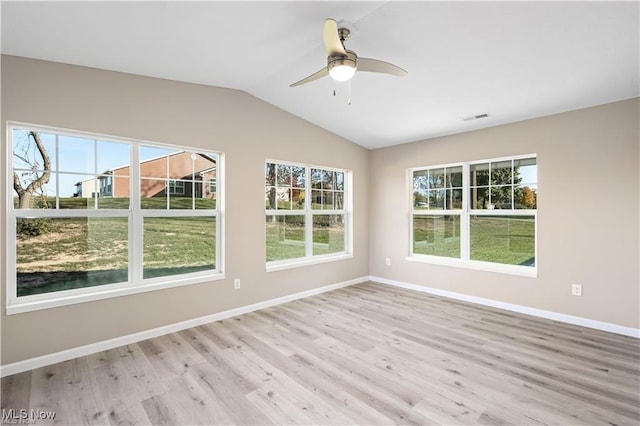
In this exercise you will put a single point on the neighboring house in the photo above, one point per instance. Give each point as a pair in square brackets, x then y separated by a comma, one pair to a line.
[86, 188]
[169, 173]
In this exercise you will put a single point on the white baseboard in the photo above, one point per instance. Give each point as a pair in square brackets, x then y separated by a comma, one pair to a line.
[569, 319]
[41, 361]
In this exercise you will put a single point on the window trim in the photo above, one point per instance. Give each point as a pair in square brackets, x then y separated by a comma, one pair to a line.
[309, 213]
[465, 214]
[135, 214]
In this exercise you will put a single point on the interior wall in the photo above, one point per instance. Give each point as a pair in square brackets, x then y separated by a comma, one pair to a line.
[245, 128]
[588, 212]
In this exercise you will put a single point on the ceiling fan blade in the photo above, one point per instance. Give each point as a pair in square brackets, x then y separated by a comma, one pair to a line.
[316, 75]
[332, 42]
[375, 65]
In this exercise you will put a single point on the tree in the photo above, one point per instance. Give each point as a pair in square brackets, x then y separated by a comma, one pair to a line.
[527, 198]
[271, 185]
[35, 178]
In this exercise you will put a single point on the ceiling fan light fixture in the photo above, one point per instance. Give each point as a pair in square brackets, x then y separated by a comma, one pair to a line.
[342, 72]
[342, 68]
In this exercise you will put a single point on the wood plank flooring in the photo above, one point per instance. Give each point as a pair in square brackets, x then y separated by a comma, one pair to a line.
[367, 354]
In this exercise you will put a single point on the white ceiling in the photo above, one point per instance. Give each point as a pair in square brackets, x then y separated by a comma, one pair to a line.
[514, 60]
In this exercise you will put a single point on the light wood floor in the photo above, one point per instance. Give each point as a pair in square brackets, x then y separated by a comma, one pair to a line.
[366, 354]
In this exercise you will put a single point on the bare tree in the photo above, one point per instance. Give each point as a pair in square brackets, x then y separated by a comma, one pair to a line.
[40, 176]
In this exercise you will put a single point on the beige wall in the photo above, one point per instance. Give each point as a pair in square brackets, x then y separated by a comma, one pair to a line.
[245, 128]
[588, 212]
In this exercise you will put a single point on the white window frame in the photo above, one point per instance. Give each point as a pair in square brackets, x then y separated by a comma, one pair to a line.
[135, 216]
[465, 217]
[309, 213]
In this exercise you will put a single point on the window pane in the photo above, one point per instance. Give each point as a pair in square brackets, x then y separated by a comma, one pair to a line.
[501, 173]
[503, 239]
[322, 200]
[114, 157]
[339, 200]
[454, 177]
[339, 180]
[284, 175]
[436, 199]
[436, 178]
[283, 198]
[525, 171]
[180, 194]
[453, 199]
[501, 197]
[436, 235]
[76, 154]
[328, 200]
[43, 197]
[479, 174]
[479, 198]
[181, 165]
[298, 177]
[270, 174]
[270, 197]
[118, 188]
[154, 162]
[206, 194]
[526, 198]
[321, 179]
[421, 189]
[285, 237]
[26, 155]
[178, 245]
[153, 193]
[55, 254]
[328, 234]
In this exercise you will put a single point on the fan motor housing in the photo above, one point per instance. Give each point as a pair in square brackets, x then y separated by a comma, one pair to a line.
[351, 60]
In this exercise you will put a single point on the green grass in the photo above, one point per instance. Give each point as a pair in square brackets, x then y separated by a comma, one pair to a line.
[85, 252]
[503, 239]
[180, 203]
[437, 236]
[499, 239]
[286, 236]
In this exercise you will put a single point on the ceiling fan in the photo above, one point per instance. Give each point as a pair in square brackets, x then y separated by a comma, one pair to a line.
[342, 63]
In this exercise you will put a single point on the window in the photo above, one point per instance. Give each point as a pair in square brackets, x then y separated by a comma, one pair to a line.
[151, 225]
[307, 214]
[478, 214]
[176, 187]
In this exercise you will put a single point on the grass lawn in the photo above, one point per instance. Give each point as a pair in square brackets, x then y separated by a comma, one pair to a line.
[82, 252]
[286, 239]
[501, 239]
[179, 203]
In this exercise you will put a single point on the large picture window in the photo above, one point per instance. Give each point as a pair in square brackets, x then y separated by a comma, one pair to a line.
[478, 214]
[307, 214]
[94, 216]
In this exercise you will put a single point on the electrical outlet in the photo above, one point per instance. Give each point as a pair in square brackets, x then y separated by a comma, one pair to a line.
[236, 284]
[576, 289]
[387, 261]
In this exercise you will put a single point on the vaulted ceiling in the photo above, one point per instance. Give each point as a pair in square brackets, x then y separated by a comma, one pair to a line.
[512, 60]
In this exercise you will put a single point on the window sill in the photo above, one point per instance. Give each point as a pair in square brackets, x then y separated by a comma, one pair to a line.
[72, 297]
[523, 271]
[296, 263]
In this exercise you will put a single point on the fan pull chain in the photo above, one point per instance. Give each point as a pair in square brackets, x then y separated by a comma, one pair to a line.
[349, 97]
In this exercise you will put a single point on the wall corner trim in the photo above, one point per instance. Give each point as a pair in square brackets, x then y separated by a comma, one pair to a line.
[65, 355]
[555, 316]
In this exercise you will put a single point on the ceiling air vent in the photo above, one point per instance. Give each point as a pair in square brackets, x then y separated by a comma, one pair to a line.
[475, 117]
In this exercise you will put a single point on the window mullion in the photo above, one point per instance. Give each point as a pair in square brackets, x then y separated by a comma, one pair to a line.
[308, 221]
[465, 213]
[136, 219]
